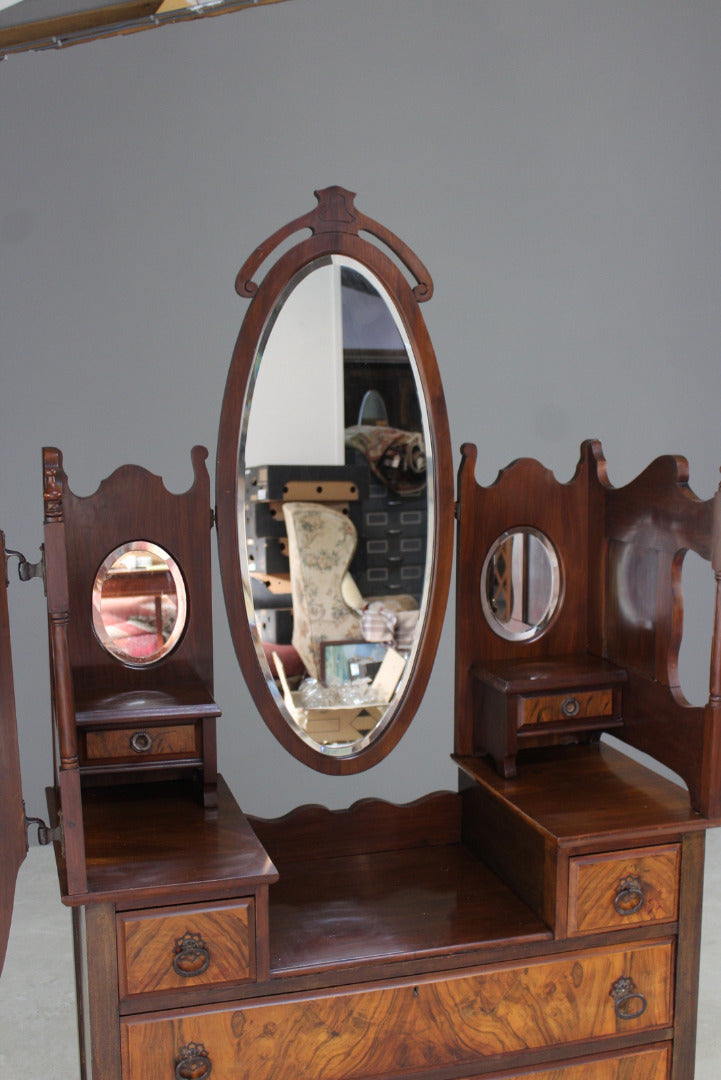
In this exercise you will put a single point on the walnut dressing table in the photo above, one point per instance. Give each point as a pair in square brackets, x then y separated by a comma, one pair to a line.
[541, 922]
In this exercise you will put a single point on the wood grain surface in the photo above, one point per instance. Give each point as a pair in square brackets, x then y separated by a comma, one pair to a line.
[595, 880]
[395, 1029]
[147, 946]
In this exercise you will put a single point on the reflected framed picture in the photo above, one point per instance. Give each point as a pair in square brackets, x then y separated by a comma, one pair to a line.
[342, 661]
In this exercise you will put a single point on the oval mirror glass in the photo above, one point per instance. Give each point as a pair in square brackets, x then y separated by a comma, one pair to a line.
[139, 603]
[338, 509]
[520, 584]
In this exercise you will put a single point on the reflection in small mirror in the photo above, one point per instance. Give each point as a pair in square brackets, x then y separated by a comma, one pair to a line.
[139, 603]
[520, 584]
[336, 514]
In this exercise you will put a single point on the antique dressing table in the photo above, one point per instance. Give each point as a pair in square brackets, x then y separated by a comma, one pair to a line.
[542, 922]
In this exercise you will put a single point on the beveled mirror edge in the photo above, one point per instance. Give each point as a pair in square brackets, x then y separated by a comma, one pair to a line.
[100, 628]
[335, 227]
[555, 600]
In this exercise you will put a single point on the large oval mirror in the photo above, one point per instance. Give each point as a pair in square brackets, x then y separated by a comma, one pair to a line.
[334, 499]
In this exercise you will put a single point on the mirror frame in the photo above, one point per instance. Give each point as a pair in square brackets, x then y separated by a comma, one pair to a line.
[335, 226]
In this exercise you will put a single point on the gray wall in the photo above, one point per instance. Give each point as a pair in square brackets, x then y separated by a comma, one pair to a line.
[555, 164]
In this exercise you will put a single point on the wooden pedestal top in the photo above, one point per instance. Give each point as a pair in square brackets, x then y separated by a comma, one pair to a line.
[168, 694]
[580, 793]
[154, 841]
[521, 676]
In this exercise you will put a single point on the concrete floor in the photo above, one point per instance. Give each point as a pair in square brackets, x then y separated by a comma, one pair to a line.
[38, 1039]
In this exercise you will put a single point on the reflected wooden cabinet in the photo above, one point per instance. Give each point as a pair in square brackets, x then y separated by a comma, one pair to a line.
[540, 922]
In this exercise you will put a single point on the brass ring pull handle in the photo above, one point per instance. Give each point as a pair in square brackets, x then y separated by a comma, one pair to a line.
[570, 706]
[141, 742]
[191, 955]
[193, 1063]
[629, 896]
[628, 1002]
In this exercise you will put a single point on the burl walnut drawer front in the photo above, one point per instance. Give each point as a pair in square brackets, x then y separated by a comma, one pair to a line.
[559, 708]
[405, 1027]
[142, 744]
[651, 1063]
[611, 891]
[180, 948]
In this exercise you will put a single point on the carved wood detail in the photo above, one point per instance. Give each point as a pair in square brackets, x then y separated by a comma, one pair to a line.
[336, 213]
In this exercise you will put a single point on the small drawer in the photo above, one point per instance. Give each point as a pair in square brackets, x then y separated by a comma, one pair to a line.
[394, 523]
[183, 947]
[629, 888]
[568, 707]
[142, 743]
[434, 1025]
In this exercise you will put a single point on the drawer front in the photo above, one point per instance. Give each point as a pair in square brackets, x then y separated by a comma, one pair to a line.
[395, 550]
[406, 1027]
[390, 579]
[142, 743]
[565, 708]
[181, 948]
[392, 522]
[651, 1063]
[630, 888]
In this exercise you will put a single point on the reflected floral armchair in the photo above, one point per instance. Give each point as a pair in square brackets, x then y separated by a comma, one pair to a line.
[321, 544]
[327, 604]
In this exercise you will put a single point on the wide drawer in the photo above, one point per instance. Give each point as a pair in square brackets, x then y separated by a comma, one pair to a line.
[620, 889]
[180, 948]
[650, 1063]
[396, 1029]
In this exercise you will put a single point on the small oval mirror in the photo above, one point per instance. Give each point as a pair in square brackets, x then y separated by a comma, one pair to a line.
[139, 603]
[520, 584]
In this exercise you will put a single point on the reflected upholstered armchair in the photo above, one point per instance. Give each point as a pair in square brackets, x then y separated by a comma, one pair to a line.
[327, 604]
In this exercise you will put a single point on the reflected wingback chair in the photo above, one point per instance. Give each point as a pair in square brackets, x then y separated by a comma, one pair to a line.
[327, 604]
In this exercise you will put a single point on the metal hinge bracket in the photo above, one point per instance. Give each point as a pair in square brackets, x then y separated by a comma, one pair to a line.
[27, 570]
[46, 834]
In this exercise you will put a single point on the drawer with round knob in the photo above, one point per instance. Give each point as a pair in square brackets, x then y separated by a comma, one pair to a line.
[410, 1027]
[615, 890]
[178, 948]
[140, 744]
[560, 708]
